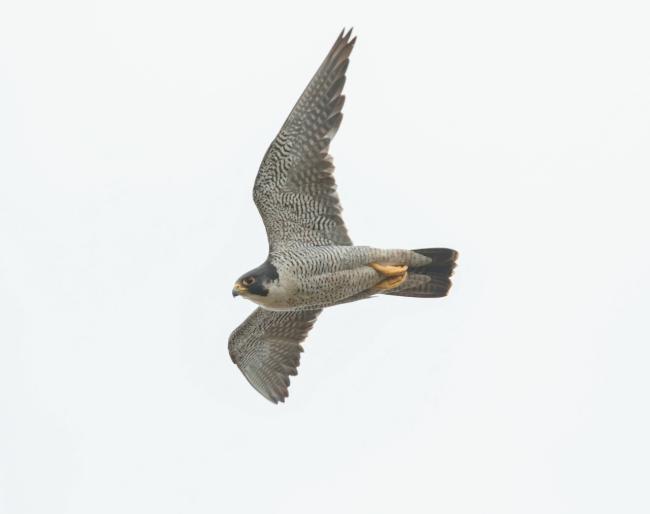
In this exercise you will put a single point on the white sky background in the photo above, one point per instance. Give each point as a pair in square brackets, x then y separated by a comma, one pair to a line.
[517, 133]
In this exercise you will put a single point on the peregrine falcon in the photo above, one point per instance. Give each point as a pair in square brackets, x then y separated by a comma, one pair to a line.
[312, 263]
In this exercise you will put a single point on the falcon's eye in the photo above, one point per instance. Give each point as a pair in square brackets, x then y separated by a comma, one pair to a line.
[248, 281]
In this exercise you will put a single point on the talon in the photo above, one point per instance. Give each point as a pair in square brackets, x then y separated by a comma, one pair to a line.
[392, 282]
[389, 271]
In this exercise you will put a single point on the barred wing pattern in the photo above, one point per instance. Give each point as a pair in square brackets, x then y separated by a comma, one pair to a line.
[295, 191]
[266, 348]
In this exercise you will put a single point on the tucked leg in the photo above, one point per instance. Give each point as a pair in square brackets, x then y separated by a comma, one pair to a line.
[389, 271]
[391, 282]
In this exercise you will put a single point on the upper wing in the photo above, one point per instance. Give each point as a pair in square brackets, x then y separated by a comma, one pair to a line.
[294, 190]
[266, 348]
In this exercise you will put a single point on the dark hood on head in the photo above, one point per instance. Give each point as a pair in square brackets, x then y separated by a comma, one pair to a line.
[263, 274]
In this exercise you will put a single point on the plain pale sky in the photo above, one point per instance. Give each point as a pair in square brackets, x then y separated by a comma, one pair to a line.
[515, 132]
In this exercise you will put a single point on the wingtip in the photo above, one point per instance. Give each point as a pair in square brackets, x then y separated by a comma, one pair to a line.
[345, 36]
[275, 400]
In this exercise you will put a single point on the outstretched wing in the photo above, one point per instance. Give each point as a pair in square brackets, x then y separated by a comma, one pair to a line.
[266, 348]
[295, 190]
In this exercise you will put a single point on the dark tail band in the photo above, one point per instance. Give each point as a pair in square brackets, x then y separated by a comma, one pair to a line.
[431, 280]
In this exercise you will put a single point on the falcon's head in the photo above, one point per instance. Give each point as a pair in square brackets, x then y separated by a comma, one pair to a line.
[256, 282]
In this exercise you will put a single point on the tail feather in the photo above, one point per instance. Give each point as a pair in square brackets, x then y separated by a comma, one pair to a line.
[431, 280]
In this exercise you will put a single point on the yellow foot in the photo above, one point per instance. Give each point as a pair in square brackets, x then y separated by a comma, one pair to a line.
[389, 271]
[391, 282]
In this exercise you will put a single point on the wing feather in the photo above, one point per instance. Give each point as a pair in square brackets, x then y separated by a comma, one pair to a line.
[266, 348]
[295, 190]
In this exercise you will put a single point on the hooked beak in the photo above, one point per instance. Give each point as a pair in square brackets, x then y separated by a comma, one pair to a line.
[238, 289]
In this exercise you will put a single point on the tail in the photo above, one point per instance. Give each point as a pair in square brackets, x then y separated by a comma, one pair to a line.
[431, 280]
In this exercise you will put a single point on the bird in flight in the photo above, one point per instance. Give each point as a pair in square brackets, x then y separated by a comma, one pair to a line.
[312, 263]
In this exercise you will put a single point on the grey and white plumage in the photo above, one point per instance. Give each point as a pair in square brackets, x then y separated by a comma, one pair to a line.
[294, 190]
[312, 263]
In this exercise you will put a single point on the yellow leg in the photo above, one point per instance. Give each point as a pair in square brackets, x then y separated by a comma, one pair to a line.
[391, 282]
[389, 271]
